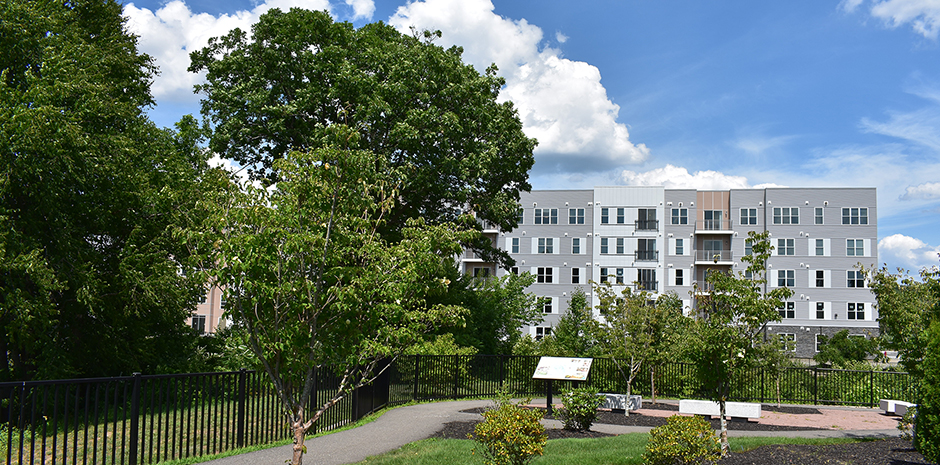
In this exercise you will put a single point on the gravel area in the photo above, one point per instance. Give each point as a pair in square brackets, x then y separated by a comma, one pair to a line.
[892, 451]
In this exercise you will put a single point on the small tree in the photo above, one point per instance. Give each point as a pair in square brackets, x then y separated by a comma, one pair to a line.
[634, 328]
[312, 284]
[728, 336]
[842, 350]
[927, 421]
[906, 306]
[571, 337]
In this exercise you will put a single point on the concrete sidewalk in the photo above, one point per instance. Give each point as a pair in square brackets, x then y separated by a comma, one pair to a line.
[403, 425]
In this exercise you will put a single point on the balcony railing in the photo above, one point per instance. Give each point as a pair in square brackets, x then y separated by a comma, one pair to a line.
[713, 256]
[647, 255]
[647, 286]
[713, 225]
[646, 225]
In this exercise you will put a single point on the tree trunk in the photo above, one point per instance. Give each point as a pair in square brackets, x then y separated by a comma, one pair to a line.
[299, 430]
[653, 383]
[626, 410]
[725, 449]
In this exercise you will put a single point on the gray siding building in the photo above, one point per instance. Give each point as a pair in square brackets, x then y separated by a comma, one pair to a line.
[668, 240]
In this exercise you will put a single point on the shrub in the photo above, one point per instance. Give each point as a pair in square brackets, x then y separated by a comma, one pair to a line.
[510, 435]
[906, 424]
[682, 440]
[580, 408]
[927, 421]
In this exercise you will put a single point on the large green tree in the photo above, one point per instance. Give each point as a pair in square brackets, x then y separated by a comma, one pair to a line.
[728, 337]
[314, 286]
[90, 191]
[437, 121]
[906, 307]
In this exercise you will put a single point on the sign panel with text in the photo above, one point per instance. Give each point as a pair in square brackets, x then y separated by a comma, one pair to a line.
[563, 368]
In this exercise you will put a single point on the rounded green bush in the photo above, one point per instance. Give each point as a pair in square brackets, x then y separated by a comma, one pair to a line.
[682, 440]
[510, 435]
[580, 408]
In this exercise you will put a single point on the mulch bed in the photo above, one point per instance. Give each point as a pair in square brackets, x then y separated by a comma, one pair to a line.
[893, 451]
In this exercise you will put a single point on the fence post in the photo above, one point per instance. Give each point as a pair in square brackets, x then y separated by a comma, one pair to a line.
[502, 371]
[456, 373]
[871, 388]
[414, 396]
[135, 420]
[815, 385]
[242, 387]
[763, 371]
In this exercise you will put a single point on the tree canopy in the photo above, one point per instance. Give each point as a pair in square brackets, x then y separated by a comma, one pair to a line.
[906, 307]
[437, 121]
[90, 191]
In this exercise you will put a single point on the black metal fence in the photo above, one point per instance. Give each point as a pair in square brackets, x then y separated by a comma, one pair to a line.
[145, 419]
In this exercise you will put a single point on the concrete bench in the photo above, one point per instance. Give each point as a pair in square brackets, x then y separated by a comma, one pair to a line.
[732, 409]
[620, 402]
[895, 407]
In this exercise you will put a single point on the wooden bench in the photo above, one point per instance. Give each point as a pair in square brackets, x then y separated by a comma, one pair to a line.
[734, 410]
[620, 402]
[895, 407]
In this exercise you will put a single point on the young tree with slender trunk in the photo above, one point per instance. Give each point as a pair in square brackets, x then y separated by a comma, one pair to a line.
[728, 335]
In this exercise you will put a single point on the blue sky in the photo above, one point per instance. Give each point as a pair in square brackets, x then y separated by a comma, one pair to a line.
[708, 95]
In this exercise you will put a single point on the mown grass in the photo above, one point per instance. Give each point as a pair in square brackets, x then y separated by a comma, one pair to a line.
[616, 450]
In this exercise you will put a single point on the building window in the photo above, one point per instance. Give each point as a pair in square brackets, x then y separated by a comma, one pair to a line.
[786, 247]
[788, 310]
[546, 245]
[542, 331]
[520, 214]
[605, 215]
[748, 216]
[544, 275]
[820, 310]
[646, 280]
[575, 216]
[854, 216]
[786, 215]
[576, 276]
[680, 278]
[713, 219]
[820, 278]
[680, 247]
[547, 305]
[748, 248]
[605, 249]
[787, 341]
[204, 298]
[855, 279]
[514, 270]
[786, 278]
[820, 247]
[818, 215]
[855, 311]
[619, 275]
[514, 245]
[680, 216]
[854, 248]
[604, 275]
[621, 215]
[646, 250]
[819, 342]
[199, 323]
[646, 220]
[481, 272]
[576, 245]
[546, 216]
[620, 246]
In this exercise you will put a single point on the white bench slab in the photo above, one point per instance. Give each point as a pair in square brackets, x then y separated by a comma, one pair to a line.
[620, 402]
[895, 407]
[732, 409]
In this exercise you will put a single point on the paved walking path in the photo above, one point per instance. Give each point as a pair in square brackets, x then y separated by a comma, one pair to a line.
[403, 425]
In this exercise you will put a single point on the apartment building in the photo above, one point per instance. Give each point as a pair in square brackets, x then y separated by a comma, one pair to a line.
[207, 317]
[668, 240]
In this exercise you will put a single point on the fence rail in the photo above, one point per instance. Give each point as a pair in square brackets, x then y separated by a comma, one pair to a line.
[146, 419]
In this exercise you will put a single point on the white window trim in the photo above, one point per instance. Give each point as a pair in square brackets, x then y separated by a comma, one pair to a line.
[827, 251]
[777, 247]
[827, 311]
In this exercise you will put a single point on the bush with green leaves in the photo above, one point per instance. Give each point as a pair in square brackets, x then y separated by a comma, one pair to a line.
[682, 440]
[510, 434]
[906, 424]
[580, 408]
[927, 420]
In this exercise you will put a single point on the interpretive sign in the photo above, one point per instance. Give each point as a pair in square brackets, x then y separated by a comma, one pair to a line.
[563, 368]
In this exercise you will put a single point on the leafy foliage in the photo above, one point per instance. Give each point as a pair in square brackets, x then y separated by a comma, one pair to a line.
[496, 309]
[90, 193]
[435, 120]
[927, 421]
[906, 306]
[510, 434]
[682, 440]
[571, 337]
[580, 408]
[727, 338]
[844, 351]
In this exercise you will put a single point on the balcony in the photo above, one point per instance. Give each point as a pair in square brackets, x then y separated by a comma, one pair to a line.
[714, 257]
[651, 286]
[647, 255]
[713, 226]
[646, 225]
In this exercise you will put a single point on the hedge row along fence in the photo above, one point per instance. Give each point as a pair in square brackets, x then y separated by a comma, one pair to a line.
[145, 419]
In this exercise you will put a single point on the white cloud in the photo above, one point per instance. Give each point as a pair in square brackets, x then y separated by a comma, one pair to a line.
[676, 177]
[919, 126]
[561, 38]
[909, 252]
[922, 15]
[561, 102]
[927, 191]
[170, 33]
[362, 9]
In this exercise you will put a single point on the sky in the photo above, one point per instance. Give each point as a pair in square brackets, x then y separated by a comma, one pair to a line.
[685, 94]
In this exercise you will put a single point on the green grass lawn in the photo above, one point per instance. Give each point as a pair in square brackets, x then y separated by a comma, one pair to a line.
[623, 449]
